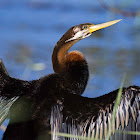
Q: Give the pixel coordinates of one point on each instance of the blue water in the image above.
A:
(30, 28)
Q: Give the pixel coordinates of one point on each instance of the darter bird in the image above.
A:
(54, 103)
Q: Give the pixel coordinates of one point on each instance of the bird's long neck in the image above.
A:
(59, 55)
(71, 65)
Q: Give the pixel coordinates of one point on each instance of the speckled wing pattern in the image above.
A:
(93, 121)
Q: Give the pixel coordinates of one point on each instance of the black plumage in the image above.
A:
(54, 102)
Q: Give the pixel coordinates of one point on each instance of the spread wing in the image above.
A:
(11, 87)
(88, 117)
(10, 90)
(5, 103)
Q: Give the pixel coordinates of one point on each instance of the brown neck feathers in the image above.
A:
(59, 55)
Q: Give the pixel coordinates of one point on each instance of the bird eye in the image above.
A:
(84, 26)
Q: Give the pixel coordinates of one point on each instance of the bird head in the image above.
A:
(82, 31)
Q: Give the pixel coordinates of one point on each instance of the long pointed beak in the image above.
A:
(94, 28)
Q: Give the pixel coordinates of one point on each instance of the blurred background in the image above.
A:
(29, 30)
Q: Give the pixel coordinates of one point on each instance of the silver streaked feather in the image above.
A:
(98, 128)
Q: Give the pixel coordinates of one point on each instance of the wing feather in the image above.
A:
(96, 114)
